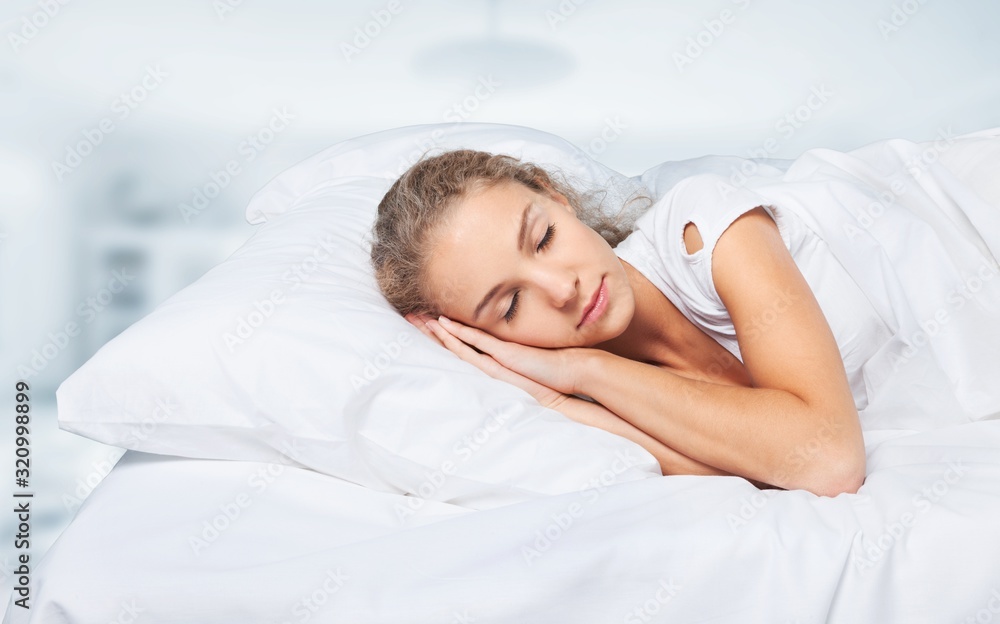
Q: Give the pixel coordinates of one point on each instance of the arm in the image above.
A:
(596, 415)
(575, 408)
(671, 462)
(798, 426)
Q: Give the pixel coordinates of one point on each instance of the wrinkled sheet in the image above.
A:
(916, 227)
(183, 540)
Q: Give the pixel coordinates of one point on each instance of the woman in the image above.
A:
(488, 256)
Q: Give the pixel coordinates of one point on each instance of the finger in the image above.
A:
(446, 338)
(417, 319)
(426, 331)
(461, 349)
(479, 340)
(454, 330)
(489, 365)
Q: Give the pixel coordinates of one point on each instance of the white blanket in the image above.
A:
(183, 540)
(914, 228)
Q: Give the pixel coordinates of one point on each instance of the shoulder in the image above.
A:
(755, 222)
(702, 207)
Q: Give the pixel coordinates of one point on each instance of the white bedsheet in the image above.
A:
(166, 539)
(918, 543)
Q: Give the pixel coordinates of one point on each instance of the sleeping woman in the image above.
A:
(693, 332)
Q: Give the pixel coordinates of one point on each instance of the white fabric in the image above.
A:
(386, 155)
(895, 245)
(599, 538)
(214, 542)
(288, 346)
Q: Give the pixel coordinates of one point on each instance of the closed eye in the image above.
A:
(546, 240)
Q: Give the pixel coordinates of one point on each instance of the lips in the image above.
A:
(593, 302)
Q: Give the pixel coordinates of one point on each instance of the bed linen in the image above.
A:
(898, 242)
(201, 539)
(288, 346)
(166, 539)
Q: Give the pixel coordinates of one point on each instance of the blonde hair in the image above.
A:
(418, 205)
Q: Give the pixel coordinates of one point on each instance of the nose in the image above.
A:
(561, 285)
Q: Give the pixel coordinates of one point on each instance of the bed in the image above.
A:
(298, 451)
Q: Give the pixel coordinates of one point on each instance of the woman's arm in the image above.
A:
(671, 462)
(798, 426)
(596, 415)
(575, 408)
(738, 429)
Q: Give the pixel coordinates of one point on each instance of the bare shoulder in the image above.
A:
(784, 337)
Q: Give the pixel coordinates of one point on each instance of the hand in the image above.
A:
(545, 374)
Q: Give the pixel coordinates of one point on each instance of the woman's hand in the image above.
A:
(545, 374)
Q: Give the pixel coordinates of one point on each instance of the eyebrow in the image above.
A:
(521, 235)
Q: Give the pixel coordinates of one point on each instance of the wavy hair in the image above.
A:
(418, 206)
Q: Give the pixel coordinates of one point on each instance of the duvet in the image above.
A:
(166, 539)
(180, 539)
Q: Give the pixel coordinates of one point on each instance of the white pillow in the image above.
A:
(288, 352)
(386, 155)
(659, 179)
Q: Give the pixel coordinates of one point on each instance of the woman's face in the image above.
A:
(534, 294)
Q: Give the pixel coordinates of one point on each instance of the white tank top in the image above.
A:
(656, 249)
(892, 277)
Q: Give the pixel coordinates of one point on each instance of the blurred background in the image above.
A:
(132, 134)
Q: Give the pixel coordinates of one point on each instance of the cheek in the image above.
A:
(587, 240)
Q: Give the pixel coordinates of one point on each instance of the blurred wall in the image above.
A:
(117, 118)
